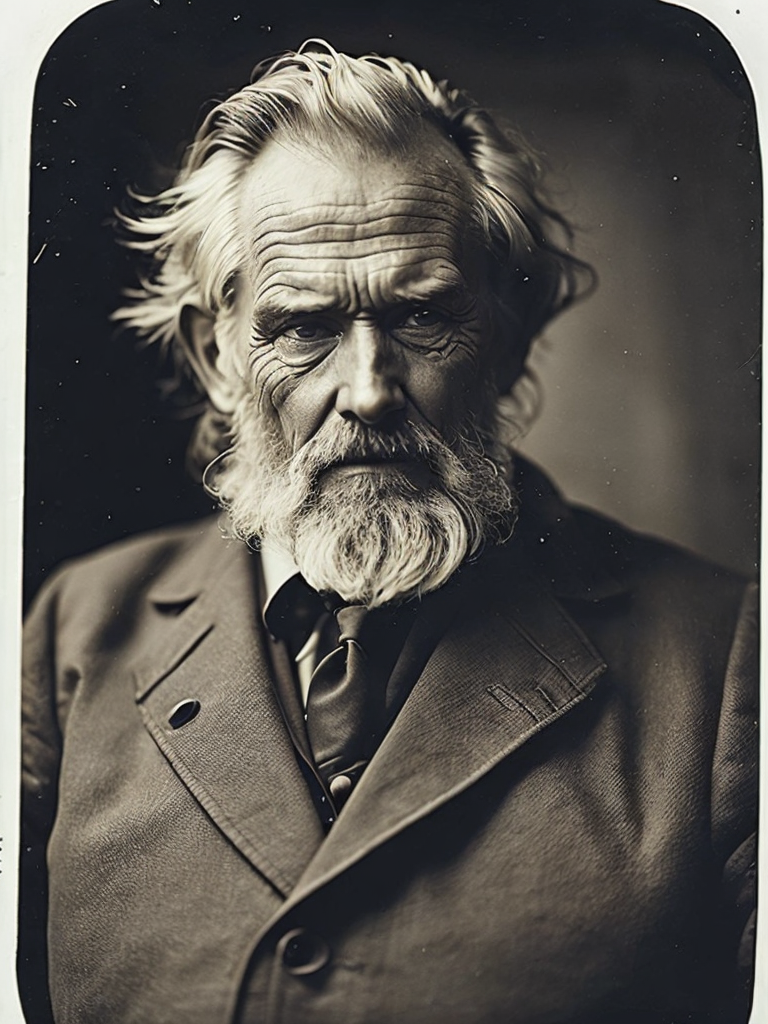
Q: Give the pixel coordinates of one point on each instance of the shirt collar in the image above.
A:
(277, 568)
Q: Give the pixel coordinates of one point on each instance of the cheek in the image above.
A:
(445, 391)
(269, 385)
(444, 396)
(271, 380)
(298, 399)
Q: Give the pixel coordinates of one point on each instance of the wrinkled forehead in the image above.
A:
(367, 201)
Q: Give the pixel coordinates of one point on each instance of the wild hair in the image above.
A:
(375, 105)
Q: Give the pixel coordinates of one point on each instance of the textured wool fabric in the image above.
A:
(556, 827)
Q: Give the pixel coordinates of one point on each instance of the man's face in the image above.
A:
(365, 295)
(362, 337)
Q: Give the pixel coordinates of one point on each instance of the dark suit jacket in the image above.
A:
(555, 829)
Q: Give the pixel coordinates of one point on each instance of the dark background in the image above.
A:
(652, 394)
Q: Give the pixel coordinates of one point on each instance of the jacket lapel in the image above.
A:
(509, 661)
(498, 677)
(234, 755)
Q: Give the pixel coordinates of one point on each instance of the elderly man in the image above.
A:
(402, 737)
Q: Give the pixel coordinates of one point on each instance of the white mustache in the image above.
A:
(355, 442)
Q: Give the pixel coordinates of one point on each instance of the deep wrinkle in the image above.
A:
(365, 295)
(433, 341)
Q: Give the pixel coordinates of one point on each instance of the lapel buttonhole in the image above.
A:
(508, 700)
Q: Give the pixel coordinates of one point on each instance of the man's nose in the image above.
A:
(370, 387)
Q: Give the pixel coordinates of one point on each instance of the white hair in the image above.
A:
(377, 104)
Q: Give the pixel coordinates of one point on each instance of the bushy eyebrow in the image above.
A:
(268, 317)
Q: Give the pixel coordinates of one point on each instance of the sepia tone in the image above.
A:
(575, 696)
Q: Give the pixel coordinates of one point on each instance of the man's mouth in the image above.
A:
(374, 459)
(378, 463)
(362, 463)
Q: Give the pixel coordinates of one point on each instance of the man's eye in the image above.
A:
(306, 341)
(423, 318)
(422, 327)
(310, 331)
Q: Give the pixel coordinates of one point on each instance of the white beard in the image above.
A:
(372, 538)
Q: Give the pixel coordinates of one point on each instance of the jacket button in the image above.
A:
(303, 952)
(184, 712)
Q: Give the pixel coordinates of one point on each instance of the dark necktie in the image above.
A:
(349, 706)
(346, 706)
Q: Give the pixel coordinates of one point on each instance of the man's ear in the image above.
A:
(198, 337)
